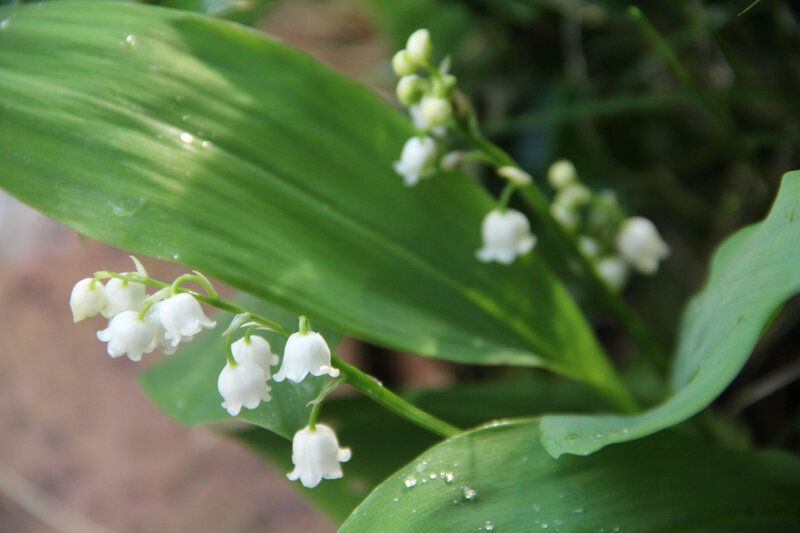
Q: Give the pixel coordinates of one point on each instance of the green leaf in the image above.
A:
(382, 442)
(752, 274)
(184, 385)
(503, 480)
(200, 141)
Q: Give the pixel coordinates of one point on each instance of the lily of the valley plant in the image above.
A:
(210, 145)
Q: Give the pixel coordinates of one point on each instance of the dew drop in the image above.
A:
(186, 137)
(396, 500)
(176, 256)
(4, 24)
(185, 118)
(579, 510)
(448, 477)
(468, 492)
(126, 207)
(131, 40)
(537, 507)
(625, 431)
(545, 525)
(205, 144)
(489, 526)
(432, 476)
(410, 481)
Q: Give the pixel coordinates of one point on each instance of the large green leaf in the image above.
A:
(500, 479)
(200, 141)
(382, 442)
(752, 274)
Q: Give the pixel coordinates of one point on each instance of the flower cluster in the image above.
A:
(139, 324)
(431, 103)
(615, 244)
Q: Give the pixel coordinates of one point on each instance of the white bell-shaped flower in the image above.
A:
(257, 351)
(242, 385)
(182, 317)
(316, 455)
(88, 297)
(614, 271)
(303, 355)
(639, 243)
(506, 235)
(417, 160)
(123, 296)
(162, 342)
(128, 334)
(436, 111)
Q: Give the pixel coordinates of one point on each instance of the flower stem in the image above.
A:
(540, 205)
(352, 375)
(380, 394)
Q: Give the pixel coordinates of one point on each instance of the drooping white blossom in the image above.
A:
(257, 351)
(128, 334)
(182, 317)
(164, 344)
(303, 355)
(316, 455)
(122, 296)
(417, 160)
(639, 243)
(614, 271)
(88, 297)
(506, 235)
(419, 46)
(242, 385)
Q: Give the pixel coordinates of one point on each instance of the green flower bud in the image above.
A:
(403, 64)
(436, 111)
(419, 46)
(561, 174)
(410, 89)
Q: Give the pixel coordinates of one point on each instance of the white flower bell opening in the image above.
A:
(128, 334)
(316, 456)
(417, 160)
(123, 296)
(88, 297)
(182, 317)
(639, 243)
(257, 351)
(242, 385)
(506, 235)
(303, 355)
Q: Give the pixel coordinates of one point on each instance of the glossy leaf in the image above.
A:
(752, 274)
(196, 140)
(382, 442)
(500, 479)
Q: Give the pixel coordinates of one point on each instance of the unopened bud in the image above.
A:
(515, 175)
(410, 89)
(561, 174)
(452, 161)
(403, 64)
(436, 111)
(419, 46)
